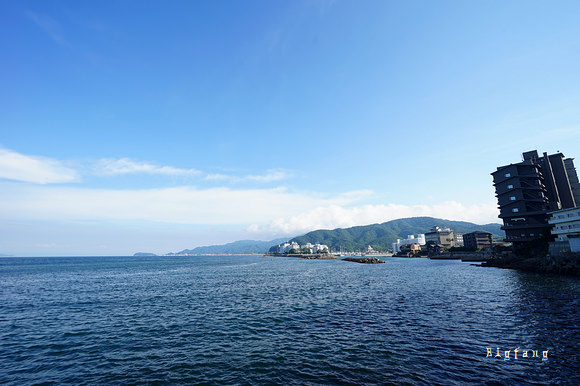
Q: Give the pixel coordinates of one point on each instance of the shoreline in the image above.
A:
(568, 265)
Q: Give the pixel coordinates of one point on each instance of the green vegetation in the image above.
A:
(381, 236)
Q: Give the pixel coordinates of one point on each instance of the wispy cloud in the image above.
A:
(43, 170)
(38, 170)
(112, 167)
(271, 175)
(49, 25)
(128, 166)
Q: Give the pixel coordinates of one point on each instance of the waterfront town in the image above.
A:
(539, 204)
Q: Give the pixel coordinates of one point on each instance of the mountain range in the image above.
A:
(381, 236)
(237, 247)
(378, 236)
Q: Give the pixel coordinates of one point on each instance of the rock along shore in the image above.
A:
(568, 264)
(312, 256)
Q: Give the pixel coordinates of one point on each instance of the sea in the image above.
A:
(252, 320)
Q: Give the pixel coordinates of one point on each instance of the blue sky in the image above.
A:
(157, 126)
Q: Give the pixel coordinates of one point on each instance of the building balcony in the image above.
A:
(522, 213)
(520, 239)
(527, 229)
(518, 188)
(565, 232)
(556, 220)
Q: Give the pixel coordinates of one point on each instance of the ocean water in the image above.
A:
(255, 320)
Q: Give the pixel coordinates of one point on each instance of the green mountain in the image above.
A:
(237, 247)
(381, 236)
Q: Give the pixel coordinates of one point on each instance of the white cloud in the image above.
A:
(39, 170)
(266, 211)
(185, 205)
(337, 216)
(127, 166)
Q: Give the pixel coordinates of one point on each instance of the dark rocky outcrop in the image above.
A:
(314, 256)
(364, 260)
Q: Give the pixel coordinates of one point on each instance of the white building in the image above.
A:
(318, 248)
(286, 247)
(566, 226)
(282, 247)
(458, 239)
(411, 239)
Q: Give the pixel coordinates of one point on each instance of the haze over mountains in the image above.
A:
(379, 236)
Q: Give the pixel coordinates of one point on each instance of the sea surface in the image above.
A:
(256, 320)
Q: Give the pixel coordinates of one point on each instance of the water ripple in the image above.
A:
(250, 320)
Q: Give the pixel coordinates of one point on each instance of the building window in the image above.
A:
(510, 186)
(515, 210)
(513, 198)
(508, 174)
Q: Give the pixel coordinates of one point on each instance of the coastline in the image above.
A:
(568, 264)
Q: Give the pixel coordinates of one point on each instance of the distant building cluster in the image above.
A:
(538, 199)
(307, 248)
(439, 239)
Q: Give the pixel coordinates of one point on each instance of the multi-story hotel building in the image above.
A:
(566, 228)
(477, 239)
(445, 237)
(528, 190)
